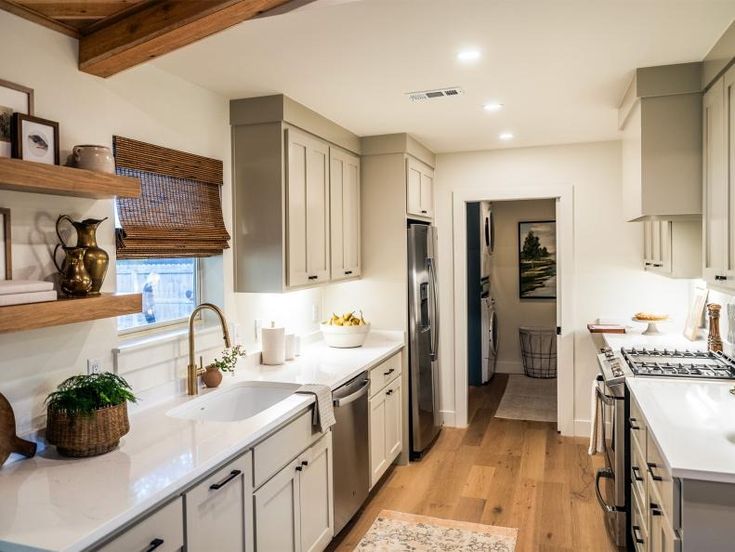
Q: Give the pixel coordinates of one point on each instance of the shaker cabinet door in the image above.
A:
(378, 454)
(219, 510)
(393, 420)
(316, 495)
(307, 184)
(345, 214)
(277, 503)
(419, 189)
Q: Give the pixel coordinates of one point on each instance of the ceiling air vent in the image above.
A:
(434, 94)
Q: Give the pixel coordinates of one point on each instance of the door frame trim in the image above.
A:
(563, 193)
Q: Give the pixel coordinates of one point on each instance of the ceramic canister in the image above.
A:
(273, 342)
(93, 158)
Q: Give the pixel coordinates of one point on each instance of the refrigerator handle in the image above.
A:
(434, 326)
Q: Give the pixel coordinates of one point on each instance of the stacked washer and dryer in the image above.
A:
(489, 319)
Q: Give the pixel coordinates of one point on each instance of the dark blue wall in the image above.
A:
(474, 323)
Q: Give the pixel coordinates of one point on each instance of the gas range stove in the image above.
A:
(671, 363)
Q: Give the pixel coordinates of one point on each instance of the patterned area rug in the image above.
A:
(528, 399)
(396, 532)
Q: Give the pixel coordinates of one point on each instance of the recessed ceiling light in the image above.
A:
(492, 106)
(467, 56)
(506, 136)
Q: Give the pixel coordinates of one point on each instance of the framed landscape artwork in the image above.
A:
(537, 259)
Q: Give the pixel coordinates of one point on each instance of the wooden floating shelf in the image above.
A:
(38, 178)
(16, 318)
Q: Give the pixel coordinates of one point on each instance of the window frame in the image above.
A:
(169, 325)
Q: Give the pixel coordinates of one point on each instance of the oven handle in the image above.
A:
(608, 474)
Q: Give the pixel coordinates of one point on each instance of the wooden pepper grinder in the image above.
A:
(714, 341)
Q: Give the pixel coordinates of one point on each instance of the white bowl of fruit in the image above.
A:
(346, 331)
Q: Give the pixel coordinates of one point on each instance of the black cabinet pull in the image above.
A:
(389, 392)
(720, 277)
(655, 510)
(655, 477)
(155, 543)
(299, 468)
(313, 277)
(348, 272)
(637, 534)
(423, 211)
(389, 372)
(304, 462)
(637, 473)
(632, 422)
(225, 481)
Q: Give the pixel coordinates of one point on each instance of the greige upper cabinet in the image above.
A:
(307, 221)
(419, 189)
(660, 117)
(672, 248)
(296, 196)
(345, 214)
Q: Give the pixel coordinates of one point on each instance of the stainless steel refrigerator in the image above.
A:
(423, 338)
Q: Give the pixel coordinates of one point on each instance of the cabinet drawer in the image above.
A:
(637, 425)
(384, 373)
(639, 524)
(639, 473)
(283, 446)
(663, 489)
(162, 531)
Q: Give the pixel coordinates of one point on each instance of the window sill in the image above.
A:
(136, 343)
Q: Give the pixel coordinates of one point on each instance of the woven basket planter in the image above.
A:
(80, 436)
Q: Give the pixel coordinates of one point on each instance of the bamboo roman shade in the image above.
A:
(179, 211)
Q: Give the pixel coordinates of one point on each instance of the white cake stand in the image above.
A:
(652, 328)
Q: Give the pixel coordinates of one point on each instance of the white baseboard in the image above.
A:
(449, 417)
(582, 428)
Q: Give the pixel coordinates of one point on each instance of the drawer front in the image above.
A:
(384, 373)
(637, 425)
(162, 531)
(639, 524)
(662, 483)
(639, 473)
(283, 446)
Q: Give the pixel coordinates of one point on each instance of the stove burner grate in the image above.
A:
(679, 363)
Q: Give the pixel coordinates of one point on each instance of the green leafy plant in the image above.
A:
(229, 358)
(83, 394)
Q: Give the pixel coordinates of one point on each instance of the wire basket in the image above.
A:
(538, 351)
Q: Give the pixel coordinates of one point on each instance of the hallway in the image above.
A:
(500, 472)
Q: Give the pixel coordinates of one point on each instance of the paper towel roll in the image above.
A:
(273, 345)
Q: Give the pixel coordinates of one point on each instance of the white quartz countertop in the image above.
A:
(52, 503)
(667, 340)
(693, 424)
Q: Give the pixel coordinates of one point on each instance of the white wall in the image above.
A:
(607, 251)
(143, 103)
(512, 311)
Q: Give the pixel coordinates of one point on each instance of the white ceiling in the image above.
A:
(558, 66)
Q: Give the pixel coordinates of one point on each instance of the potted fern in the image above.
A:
(88, 414)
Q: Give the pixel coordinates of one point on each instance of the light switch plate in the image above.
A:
(94, 366)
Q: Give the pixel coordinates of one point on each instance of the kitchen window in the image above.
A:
(170, 288)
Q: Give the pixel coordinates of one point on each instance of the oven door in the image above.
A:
(610, 480)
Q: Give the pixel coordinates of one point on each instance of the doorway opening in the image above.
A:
(511, 307)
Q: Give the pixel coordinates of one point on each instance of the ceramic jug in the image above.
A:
(96, 259)
(93, 158)
(73, 276)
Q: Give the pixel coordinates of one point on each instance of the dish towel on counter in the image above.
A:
(323, 416)
(596, 432)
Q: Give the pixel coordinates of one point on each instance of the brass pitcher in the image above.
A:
(73, 276)
(96, 259)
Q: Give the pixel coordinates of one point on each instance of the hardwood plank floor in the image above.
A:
(501, 472)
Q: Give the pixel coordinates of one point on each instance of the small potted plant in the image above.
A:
(212, 376)
(88, 414)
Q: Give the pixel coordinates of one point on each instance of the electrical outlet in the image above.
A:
(258, 326)
(94, 366)
(235, 333)
(315, 313)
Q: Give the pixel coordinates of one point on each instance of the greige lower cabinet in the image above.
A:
(294, 509)
(219, 510)
(385, 419)
(162, 531)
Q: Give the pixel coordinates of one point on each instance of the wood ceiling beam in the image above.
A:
(163, 26)
(37, 17)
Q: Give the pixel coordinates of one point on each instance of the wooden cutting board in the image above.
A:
(9, 441)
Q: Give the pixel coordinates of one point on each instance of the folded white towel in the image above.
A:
(596, 433)
(24, 286)
(323, 416)
(25, 298)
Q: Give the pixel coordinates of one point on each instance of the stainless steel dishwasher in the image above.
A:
(351, 450)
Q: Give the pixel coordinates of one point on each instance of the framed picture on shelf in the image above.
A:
(537, 259)
(35, 139)
(6, 259)
(14, 98)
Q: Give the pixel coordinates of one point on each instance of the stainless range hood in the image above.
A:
(661, 119)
